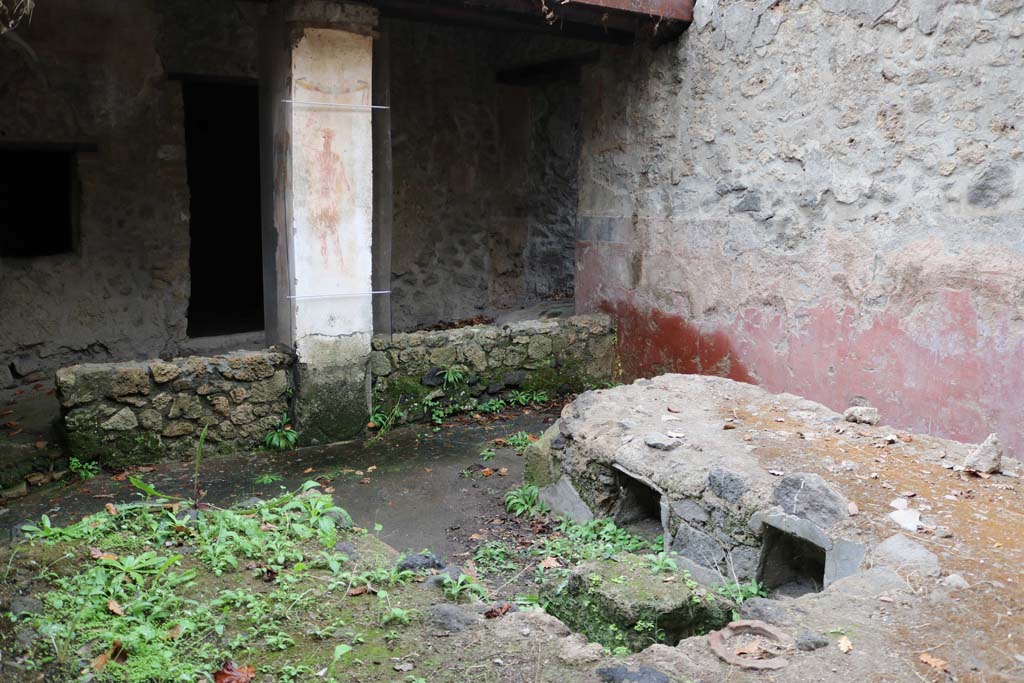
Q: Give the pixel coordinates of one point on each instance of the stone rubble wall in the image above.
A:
(484, 173)
(822, 197)
(127, 413)
(543, 355)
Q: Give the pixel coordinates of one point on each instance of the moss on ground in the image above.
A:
(163, 591)
(625, 605)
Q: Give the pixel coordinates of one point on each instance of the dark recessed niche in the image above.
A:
(38, 201)
(790, 565)
(638, 506)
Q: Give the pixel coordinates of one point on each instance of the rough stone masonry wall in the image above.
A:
(822, 197)
(100, 77)
(484, 173)
(552, 356)
(129, 413)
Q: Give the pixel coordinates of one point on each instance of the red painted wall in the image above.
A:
(957, 373)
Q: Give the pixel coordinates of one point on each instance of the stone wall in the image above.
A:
(484, 173)
(821, 197)
(550, 356)
(128, 413)
(97, 74)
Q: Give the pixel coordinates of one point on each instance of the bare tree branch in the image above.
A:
(13, 12)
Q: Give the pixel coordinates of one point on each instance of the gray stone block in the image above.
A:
(563, 499)
(807, 495)
(697, 546)
(726, 484)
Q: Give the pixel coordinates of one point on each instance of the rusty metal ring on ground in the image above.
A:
(718, 639)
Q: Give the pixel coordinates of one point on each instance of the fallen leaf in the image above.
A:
(550, 563)
(364, 481)
(174, 632)
(307, 470)
(329, 489)
(116, 653)
(845, 645)
(404, 666)
(115, 607)
(486, 472)
(97, 554)
(361, 590)
(100, 662)
(729, 425)
(498, 611)
(232, 673)
(41, 444)
(934, 662)
(503, 472)
(111, 509)
(371, 468)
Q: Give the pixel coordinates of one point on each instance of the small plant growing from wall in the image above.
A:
(383, 422)
(84, 470)
(283, 437)
(492, 406)
(453, 376)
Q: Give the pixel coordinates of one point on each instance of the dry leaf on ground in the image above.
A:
(934, 662)
(232, 673)
(97, 554)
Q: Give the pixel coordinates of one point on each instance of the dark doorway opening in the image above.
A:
(790, 566)
(225, 256)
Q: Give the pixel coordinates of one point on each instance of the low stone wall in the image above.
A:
(126, 413)
(553, 356)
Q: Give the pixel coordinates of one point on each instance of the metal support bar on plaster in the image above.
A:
(333, 105)
(336, 296)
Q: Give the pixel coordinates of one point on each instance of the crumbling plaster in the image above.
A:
(821, 197)
(99, 77)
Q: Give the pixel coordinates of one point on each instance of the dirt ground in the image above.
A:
(979, 628)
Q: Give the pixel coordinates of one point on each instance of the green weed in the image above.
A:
(283, 437)
(525, 500)
(84, 470)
